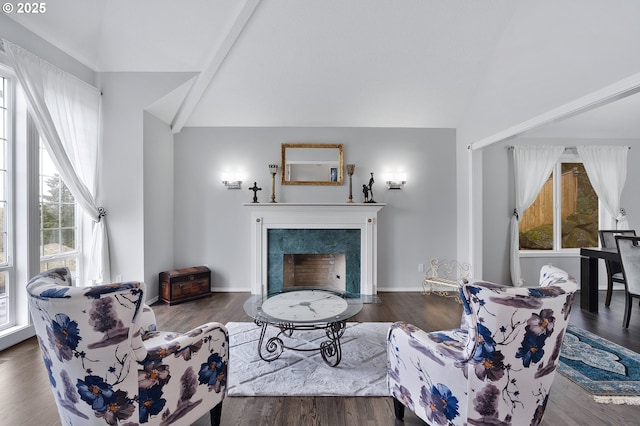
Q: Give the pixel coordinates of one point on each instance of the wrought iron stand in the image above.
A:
(330, 349)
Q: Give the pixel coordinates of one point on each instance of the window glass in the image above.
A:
(58, 228)
(579, 208)
(574, 224)
(536, 224)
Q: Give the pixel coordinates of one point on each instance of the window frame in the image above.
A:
(569, 156)
(8, 266)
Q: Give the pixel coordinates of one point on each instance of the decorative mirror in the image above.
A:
(312, 164)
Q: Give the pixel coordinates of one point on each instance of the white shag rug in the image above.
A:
(361, 372)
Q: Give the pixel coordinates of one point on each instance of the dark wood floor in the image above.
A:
(26, 399)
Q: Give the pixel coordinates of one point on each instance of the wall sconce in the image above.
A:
(232, 180)
(395, 180)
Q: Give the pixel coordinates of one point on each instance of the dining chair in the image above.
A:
(629, 249)
(614, 270)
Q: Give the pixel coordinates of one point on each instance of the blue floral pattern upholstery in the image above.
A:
(497, 369)
(107, 363)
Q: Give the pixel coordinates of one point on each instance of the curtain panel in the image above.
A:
(66, 112)
(532, 167)
(606, 167)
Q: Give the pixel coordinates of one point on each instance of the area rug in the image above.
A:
(362, 371)
(607, 371)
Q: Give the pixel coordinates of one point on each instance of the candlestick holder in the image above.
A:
(350, 169)
(273, 169)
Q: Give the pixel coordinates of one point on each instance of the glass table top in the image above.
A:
(303, 305)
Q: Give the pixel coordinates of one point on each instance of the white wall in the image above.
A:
(158, 201)
(124, 160)
(498, 203)
(212, 227)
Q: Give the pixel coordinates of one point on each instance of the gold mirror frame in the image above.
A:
(311, 164)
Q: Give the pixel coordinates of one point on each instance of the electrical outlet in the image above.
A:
(118, 278)
(420, 267)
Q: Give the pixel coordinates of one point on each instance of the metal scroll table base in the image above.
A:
(330, 349)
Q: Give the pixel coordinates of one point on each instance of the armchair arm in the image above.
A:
(144, 328)
(422, 366)
(147, 320)
(164, 345)
(181, 371)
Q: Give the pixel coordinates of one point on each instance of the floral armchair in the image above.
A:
(497, 369)
(108, 365)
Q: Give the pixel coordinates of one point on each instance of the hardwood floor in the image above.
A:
(26, 398)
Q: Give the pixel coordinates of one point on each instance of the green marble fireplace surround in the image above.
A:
(281, 241)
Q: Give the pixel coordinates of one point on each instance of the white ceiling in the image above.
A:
(406, 63)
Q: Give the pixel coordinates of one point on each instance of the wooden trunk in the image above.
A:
(181, 285)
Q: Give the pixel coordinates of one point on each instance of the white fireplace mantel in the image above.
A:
(362, 216)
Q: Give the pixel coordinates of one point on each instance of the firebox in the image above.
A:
(315, 270)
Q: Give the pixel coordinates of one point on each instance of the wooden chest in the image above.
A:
(180, 285)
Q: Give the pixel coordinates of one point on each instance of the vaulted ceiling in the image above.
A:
(408, 63)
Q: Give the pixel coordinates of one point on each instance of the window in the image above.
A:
(565, 214)
(40, 226)
(58, 219)
(6, 267)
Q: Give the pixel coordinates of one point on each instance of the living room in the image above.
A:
(429, 217)
(405, 87)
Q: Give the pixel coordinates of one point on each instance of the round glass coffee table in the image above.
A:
(302, 308)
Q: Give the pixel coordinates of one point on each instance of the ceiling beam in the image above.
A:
(618, 90)
(204, 79)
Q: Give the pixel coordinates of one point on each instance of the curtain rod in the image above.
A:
(567, 148)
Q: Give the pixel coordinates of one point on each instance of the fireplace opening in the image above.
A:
(315, 270)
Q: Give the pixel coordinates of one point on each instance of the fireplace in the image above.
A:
(282, 229)
(316, 251)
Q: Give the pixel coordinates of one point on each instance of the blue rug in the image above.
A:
(609, 372)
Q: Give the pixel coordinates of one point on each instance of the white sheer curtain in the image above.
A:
(66, 112)
(606, 167)
(532, 167)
